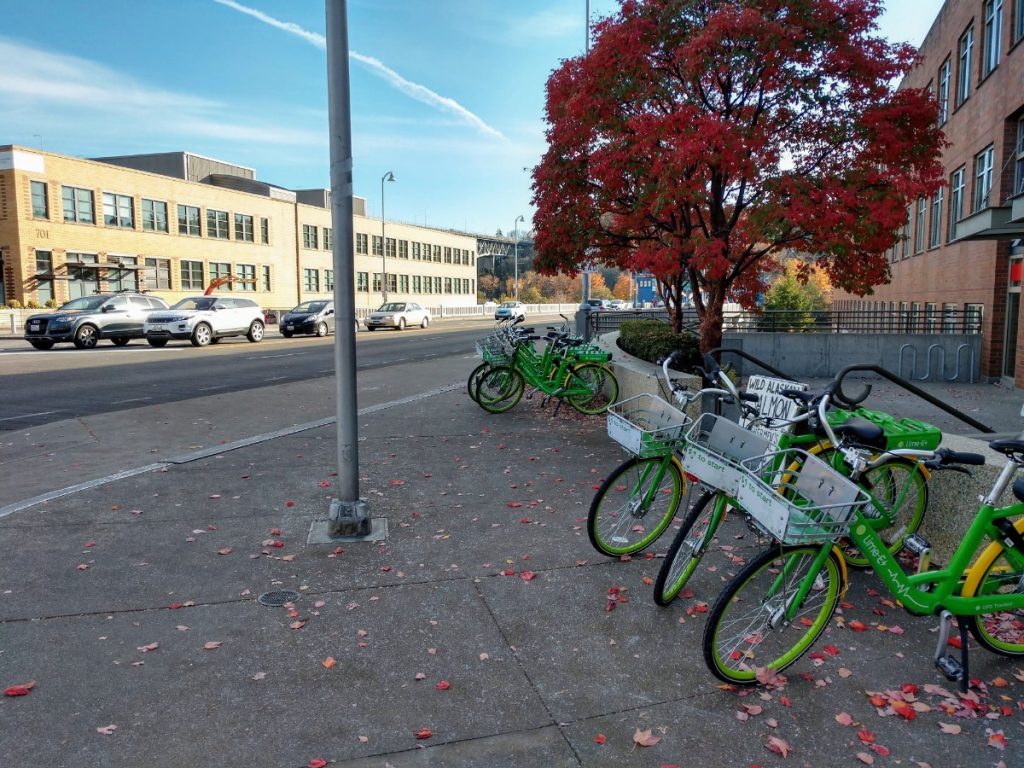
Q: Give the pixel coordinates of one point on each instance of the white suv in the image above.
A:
(205, 320)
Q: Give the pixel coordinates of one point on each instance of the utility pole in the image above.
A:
(349, 514)
(585, 277)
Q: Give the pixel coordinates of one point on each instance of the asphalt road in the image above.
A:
(65, 383)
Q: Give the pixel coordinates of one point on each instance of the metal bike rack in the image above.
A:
(942, 362)
(913, 360)
(970, 363)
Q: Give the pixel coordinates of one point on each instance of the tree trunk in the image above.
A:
(711, 319)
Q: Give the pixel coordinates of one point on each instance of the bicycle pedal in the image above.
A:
(916, 544)
(950, 667)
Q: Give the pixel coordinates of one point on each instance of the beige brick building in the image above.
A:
(171, 223)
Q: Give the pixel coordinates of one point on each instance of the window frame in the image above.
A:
(310, 237)
(160, 270)
(214, 218)
(78, 204)
(945, 80)
(244, 229)
(185, 223)
(187, 272)
(37, 213)
(218, 269)
(992, 15)
(920, 222)
(1018, 182)
(935, 229)
(310, 280)
(117, 201)
(984, 178)
(965, 56)
(958, 191)
(155, 206)
(246, 272)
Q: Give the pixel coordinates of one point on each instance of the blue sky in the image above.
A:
(447, 94)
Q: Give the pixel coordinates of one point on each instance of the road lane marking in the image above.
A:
(130, 400)
(29, 415)
(267, 357)
(208, 389)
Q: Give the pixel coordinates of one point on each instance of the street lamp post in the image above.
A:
(516, 228)
(389, 176)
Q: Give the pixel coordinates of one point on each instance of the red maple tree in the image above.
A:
(701, 138)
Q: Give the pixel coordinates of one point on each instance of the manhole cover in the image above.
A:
(277, 598)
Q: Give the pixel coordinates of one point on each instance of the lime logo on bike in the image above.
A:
(861, 530)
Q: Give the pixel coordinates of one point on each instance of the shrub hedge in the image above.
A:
(653, 340)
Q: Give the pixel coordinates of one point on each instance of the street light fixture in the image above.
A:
(515, 225)
(389, 176)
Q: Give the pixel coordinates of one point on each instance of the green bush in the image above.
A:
(653, 341)
(14, 304)
(32, 304)
(51, 304)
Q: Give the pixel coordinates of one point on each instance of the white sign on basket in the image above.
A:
(774, 406)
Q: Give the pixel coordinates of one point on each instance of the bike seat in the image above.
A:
(1008, 447)
(1018, 488)
(862, 431)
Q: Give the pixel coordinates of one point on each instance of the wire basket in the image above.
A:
(798, 498)
(716, 449)
(646, 425)
(494, 349)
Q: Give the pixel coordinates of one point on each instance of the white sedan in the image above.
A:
(398, 314)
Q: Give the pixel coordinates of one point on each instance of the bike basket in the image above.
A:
(494, 350)
(715, 448)
(798, 498)
(899, 433)
(588, 353)
(646, 425)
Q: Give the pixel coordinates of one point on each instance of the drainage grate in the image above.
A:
(277, 598)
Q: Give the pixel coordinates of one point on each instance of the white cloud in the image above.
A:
(411, 89)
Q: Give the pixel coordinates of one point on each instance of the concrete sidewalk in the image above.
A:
(481, 624)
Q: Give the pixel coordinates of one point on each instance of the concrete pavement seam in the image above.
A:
(18, 506)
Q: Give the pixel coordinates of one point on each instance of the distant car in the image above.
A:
(594, 305)
(398, 314)
(206, 320)
(513, 309)
(315, 317)
(618, 304)
(115, 316)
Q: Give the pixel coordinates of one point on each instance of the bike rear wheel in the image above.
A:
(689, 545)
(997, 572)
(635, 505)
(600, 385)
(473, 382)
(500, 389)
(756, 623)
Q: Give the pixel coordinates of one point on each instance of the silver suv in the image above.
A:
(206, 320)
(83, 322)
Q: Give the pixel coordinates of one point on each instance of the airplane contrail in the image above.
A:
(413, 90)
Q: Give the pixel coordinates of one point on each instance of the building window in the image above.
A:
(363, 282)
(40, 201)
(956, 199)
(158, 274)
(328, 279)
(905, 236)
(417, 254)
(1018, 21)
(973, 315)
(983, 177)
(403, 283)
(1018, 183)
(993, 35)
(437, 255)
(265, 230)
(246, 274)
(963, 75)
(378, 245)
(126, 279)
(447, 257)
(390, 248)
(392, 282)
(189, 221)
(265, 279)
(417, 283)
(929, 317)
(191, 275)
(437, 285)
(943, 94)
(243, 228)
(118, 211)
(403, 249)
(78, 205)
(376, 282)
(154, 215)
(361, 243)
(311, 280)
(217, 224)
(309, 236)
(44, 276)
(922, 209)
(328, 238)
(220, 269)
(936, 222)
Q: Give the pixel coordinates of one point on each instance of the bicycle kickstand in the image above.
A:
(954, 670)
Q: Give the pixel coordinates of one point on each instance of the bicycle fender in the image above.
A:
(987, 557)
(844, 581)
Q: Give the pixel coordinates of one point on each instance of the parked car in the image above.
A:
(617, 304)
(309, 317)
(398, 314)
(83, 322)
(206, 320)
(513, 309)
(594, 305)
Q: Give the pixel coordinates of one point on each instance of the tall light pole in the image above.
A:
(389, 176)
(515, 226)
(585, 277)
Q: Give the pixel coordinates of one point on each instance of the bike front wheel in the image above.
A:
(761, 622)
(473, 382)
(593, 388)
(689, 545)
(500, 389)
(999, 572)
(635, 505)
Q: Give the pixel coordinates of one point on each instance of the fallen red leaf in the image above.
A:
(600, 739)
(778, 746)
(514, 504)
(19, 690)
(423, 733)
(527, 575)
(444, 685)
(857, 626)
(316, 762)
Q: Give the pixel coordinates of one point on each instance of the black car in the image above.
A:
(316, 317)
(84, 321)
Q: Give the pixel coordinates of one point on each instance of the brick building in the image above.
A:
(170, 223)
(962, 250)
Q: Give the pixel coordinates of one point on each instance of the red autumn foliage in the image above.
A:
(699, 140)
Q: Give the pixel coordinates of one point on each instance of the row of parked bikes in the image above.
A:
(823, 483)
